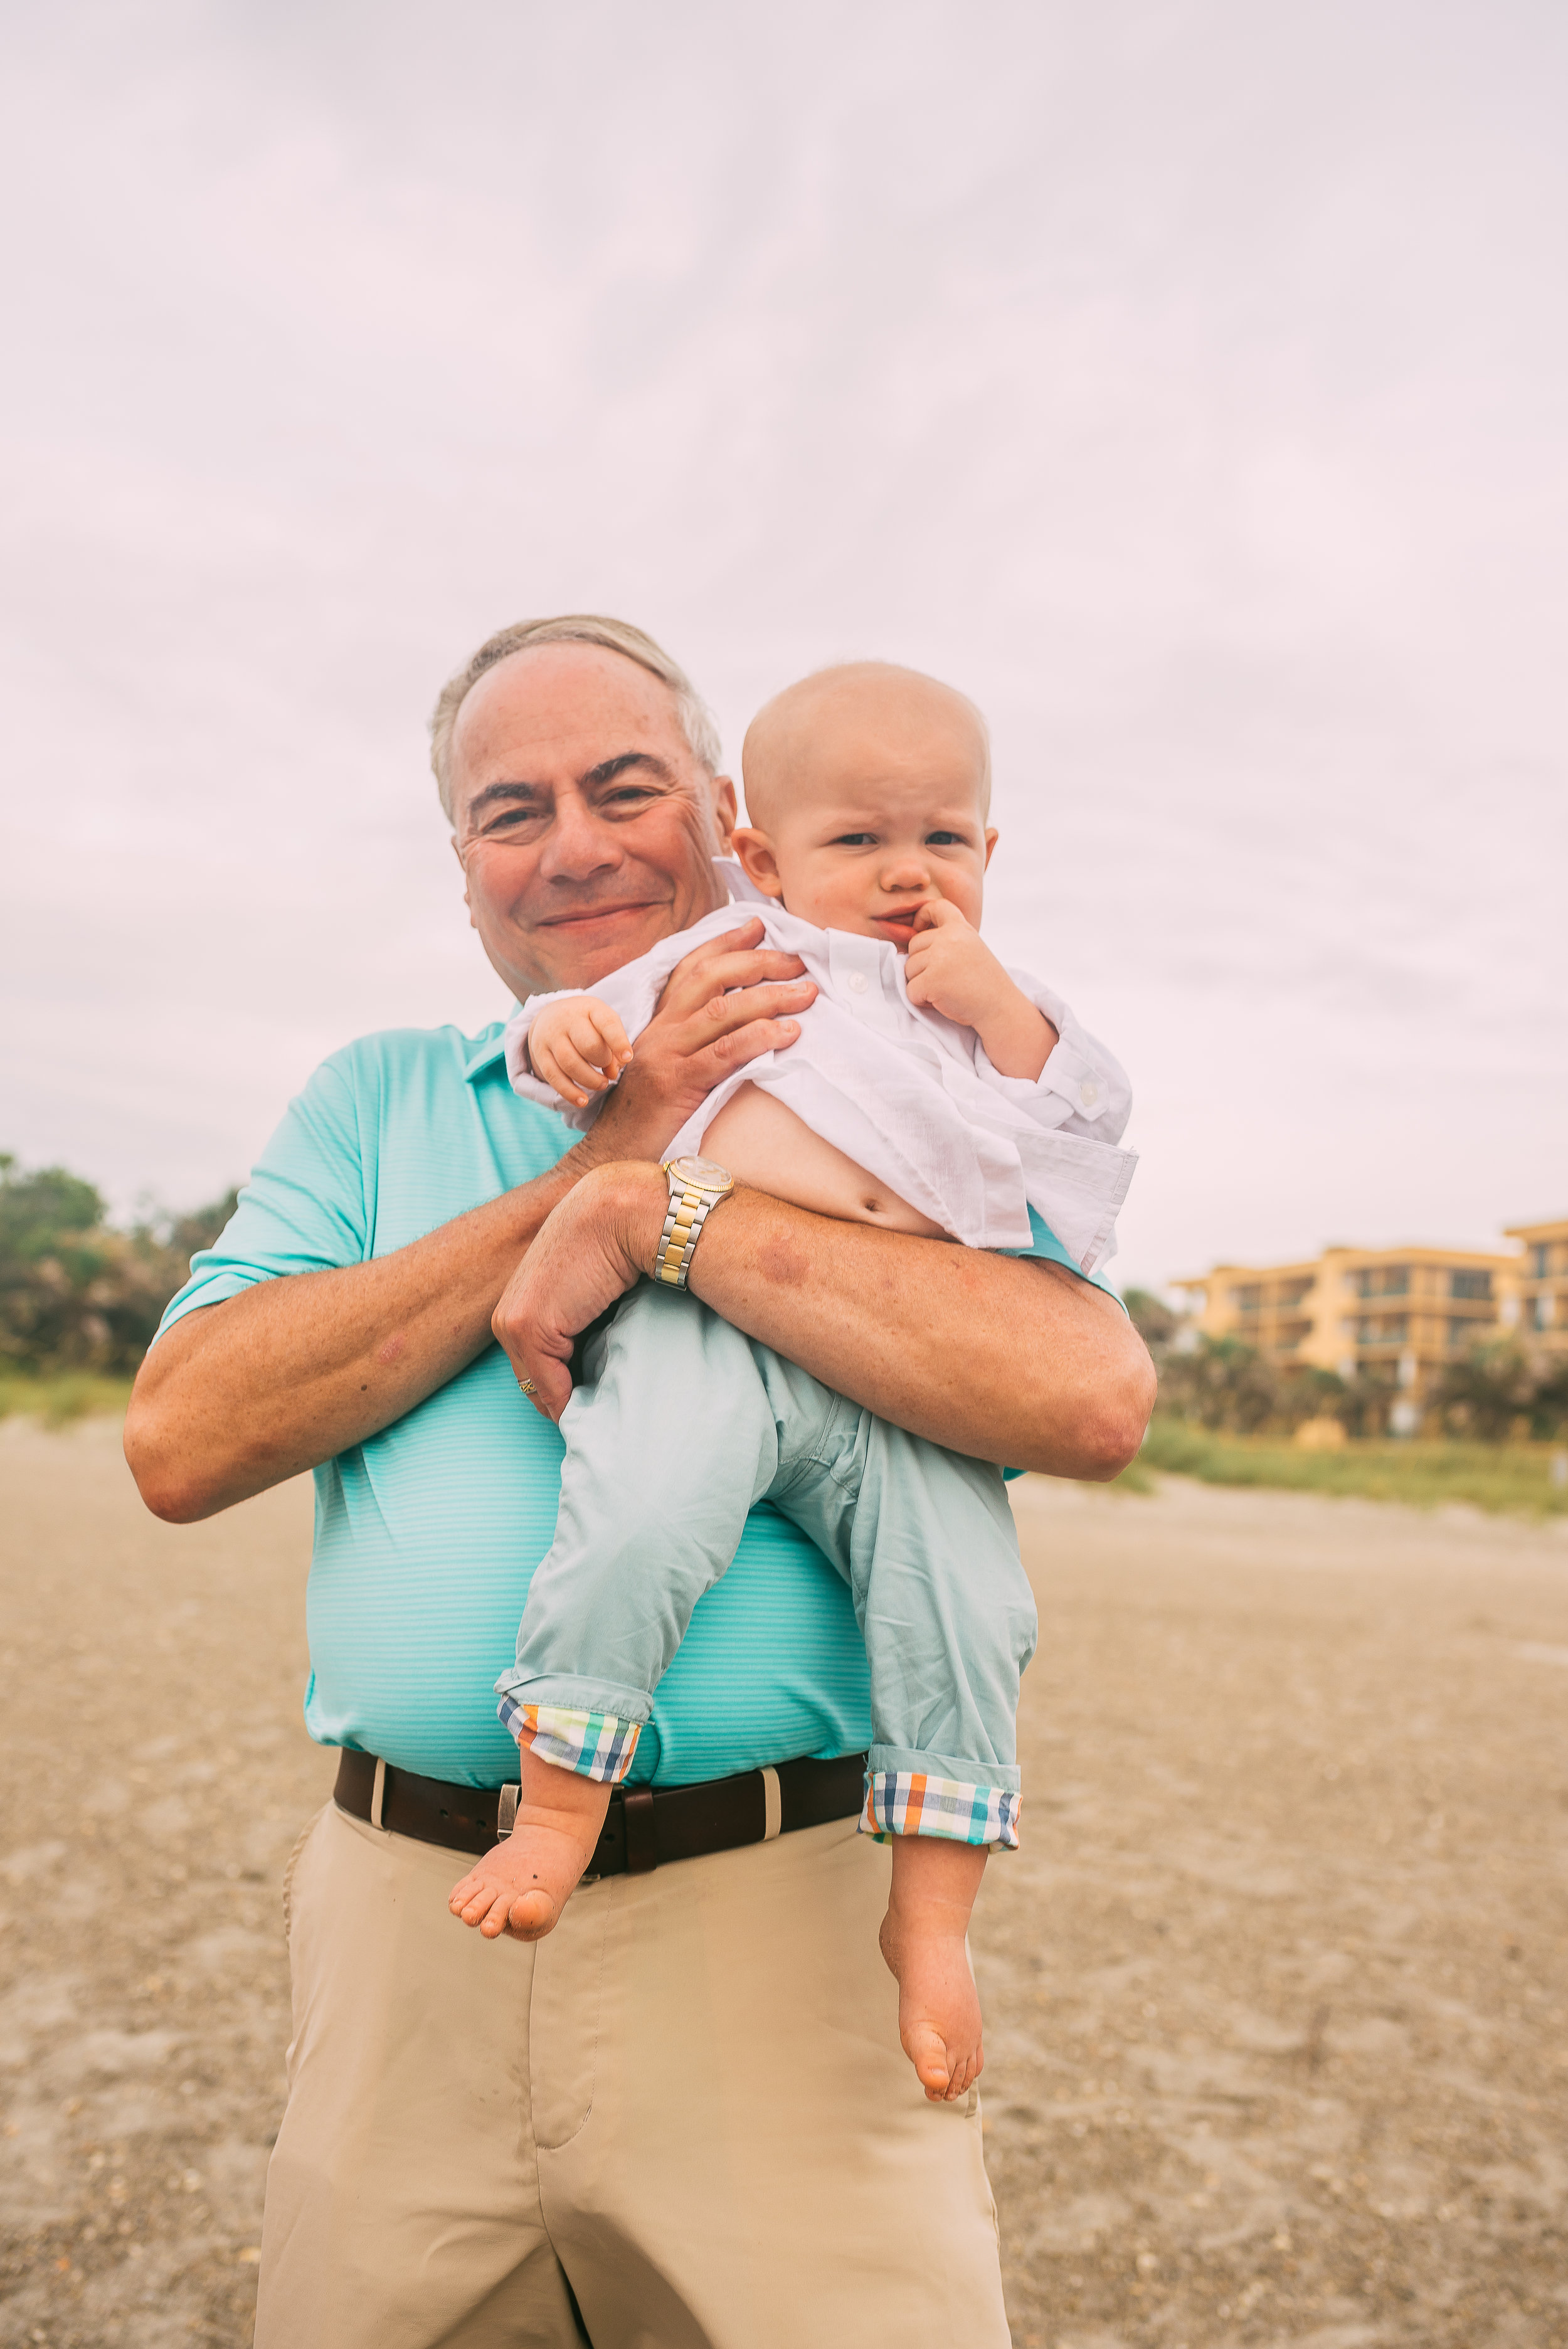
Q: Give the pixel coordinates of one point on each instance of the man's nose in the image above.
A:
(579, 844)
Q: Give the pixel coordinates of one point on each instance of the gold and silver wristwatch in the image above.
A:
(697, 1186)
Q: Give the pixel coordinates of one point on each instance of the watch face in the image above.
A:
(705, 1172)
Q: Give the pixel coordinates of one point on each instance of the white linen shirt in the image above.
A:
(906, 1093)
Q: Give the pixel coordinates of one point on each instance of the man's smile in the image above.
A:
(572, 916)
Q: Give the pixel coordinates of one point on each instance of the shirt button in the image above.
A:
(858, 982)
(1088, 1094)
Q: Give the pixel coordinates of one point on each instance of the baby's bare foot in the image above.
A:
(924, 1942)
(521, 1887)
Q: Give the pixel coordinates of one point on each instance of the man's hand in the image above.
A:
(724, 1005)
(590, 1249)
(951, 969)
(579, 1046)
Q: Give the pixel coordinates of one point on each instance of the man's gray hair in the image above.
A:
(697, 719)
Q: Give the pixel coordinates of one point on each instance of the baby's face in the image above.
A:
(874, 806)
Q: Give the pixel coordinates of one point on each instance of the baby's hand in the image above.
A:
(951, 969)
(579, 1046)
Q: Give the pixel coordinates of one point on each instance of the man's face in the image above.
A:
(584, 826)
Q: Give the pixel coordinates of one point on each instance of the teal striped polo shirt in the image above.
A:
(427, 1534)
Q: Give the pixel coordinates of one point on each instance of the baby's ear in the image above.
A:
(757, 860)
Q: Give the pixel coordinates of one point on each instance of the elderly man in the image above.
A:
(685, 2118)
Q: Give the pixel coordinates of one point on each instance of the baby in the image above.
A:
(930, 1090)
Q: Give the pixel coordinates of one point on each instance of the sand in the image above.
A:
(1276, 1991)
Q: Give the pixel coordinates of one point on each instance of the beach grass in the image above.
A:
(1505, 1479)
(59, 1398)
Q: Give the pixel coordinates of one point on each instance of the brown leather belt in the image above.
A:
(645, 1827)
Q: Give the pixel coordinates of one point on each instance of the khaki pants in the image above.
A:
(684, 2121)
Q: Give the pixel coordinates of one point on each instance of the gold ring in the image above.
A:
(528, 1387)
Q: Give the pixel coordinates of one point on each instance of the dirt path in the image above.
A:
(1275, 1991)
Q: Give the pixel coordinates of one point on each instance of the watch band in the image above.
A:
(689, 1209)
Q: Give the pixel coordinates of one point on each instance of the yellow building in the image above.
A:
(1392, 1317)
(1540, 1281)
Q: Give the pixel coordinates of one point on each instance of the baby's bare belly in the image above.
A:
(764, 1143)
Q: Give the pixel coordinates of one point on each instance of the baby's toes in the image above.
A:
(494, 1923)
(928, 2053)
(482, 1898)
(965, 2072)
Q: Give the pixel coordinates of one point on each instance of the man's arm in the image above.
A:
(1001, 1358)
(241, 1395)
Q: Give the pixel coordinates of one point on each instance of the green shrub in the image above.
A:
(77, 1294)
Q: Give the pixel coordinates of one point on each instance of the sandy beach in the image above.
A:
(1276, 1991)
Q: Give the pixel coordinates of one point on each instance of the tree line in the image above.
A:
(1495, 1393)
(78, 1293)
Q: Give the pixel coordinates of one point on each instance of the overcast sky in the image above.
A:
(1188, 383)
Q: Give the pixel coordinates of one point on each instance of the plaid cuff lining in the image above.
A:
(594, 1745)
(906, 1801)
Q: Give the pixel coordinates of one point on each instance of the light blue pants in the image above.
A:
(679, 1427)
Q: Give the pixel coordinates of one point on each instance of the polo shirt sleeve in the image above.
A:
(305, 1208)
(1044, 1244)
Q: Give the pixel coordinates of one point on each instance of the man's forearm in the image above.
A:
(1001, 1358)
(242, 1394)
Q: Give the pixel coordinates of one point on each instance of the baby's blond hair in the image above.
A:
(781, 727)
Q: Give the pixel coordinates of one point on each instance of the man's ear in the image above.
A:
(992, 836)
(755, 850)
(467, 901)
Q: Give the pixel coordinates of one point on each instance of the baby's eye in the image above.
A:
(945, 840)
(854, 840)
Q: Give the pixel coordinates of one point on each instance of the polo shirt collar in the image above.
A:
(490, 1048)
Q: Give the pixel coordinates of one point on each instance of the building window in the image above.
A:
(1387, 1330)
(1248, 1300)
(1381, 1281)
(1540, 1259)
(1470, 1285)
(1540, 1313)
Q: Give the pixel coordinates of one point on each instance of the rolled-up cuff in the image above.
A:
(594, 1745)
(911, 1803)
